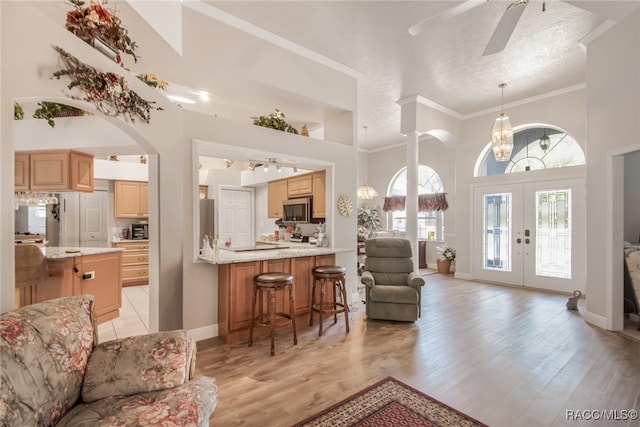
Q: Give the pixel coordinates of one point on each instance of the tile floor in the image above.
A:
(134, 315)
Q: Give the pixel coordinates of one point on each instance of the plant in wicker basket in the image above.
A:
(50, 110)
(97, 22)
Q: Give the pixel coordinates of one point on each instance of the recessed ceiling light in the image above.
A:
(181, 99)
(204, 96)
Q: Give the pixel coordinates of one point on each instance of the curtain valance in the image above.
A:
(426, 202)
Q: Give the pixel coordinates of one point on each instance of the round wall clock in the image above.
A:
(345, 206)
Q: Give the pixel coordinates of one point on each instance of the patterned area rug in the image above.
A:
(390, 403)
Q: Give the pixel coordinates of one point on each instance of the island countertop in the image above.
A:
(59, 252)
(286, 250)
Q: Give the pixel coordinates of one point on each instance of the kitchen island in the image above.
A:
(79, 271)
(236, 270)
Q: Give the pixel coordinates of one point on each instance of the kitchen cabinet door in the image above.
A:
(81, 173)
(281, 265)
(131, 199)
(106, 285)
(319, 206)
(300, 185)
(276, 194)
(302, 280)
(235, 293)
(21, 181)
(49, 171)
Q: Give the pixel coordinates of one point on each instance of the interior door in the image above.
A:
(93, 219)
(236, 217)
(531, 234)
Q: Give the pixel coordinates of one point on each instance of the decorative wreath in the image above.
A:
(345, 207)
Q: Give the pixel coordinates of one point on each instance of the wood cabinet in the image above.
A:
(131, 199)
(310, 184)
(56, 170)
(300, 185)
(135, 263)
(235, 291)
(21, 180)
(319, 205)
(63, 281)
(276, 193)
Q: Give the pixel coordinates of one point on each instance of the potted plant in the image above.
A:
(447, 256)
(49, 110)
(275, 121)
(18, 111)
(369, 220)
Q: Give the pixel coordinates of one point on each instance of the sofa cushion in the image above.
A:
(44, 348)
(189, 404)
(394, 294)
(137, 364)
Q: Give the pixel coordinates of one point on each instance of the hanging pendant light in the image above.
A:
(502, 135)
(545, 141)
(366, 192)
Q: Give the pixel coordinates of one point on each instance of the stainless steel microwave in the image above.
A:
(296, 211)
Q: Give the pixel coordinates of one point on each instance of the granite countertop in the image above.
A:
(61, 252)
(288, 250)
(129, 240)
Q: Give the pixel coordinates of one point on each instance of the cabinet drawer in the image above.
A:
(132, 246)
(135, 257)
(135, 275)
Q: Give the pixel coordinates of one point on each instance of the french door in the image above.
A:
(531, 234)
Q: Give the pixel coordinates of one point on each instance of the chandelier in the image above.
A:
(502, 134)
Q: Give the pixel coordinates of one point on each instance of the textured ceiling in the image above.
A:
(443, 64)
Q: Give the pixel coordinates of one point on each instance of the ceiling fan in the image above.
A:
(501, 34)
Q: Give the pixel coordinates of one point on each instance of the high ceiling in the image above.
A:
(443, 64)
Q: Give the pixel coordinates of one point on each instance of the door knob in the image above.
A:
(518, 240)
(526, 241)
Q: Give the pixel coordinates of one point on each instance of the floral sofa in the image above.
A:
(53, 372)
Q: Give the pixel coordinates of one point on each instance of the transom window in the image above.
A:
(535, 148)
(430, 223)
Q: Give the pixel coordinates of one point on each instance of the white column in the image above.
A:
(411, 204)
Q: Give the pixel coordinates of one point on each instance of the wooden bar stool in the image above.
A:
(336, 275)
(270, 283)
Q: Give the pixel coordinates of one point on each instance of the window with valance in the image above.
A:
(432, 202)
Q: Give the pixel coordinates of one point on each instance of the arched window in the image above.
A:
(430, 224)
(535, 148)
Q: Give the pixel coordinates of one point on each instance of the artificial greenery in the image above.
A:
(49, 110)
(447, 253)
(95, 21)
(109, 92)
(18, 111)
(274, 120)
(153, 80)
(369, 220)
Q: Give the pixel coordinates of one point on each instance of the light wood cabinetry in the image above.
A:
(300, 185)
(56, 170)
(21, 180)
(235, 291)
(135, 263)
(319, 205)
(131, 199)
(276, 193)
(64, 281)
(310, 184)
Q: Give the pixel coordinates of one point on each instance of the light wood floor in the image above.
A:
(505, 356)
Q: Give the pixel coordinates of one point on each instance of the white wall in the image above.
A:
(613, 109)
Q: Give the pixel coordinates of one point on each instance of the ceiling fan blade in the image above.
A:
(504, 29)
(418, 28)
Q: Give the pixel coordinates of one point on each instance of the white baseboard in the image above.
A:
(595, 319)
(203, 333)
